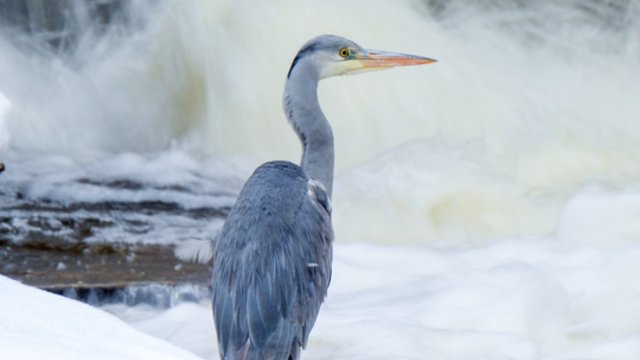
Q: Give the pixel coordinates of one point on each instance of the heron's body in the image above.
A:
(272, 259)
(273, 285)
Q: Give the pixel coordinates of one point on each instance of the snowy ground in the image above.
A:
(38, 325)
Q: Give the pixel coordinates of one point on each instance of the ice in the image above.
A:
(160, 198)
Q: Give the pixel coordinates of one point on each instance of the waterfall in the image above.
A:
(528, 105)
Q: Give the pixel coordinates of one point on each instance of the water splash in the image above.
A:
(5, 107)
(529, 104)
(155, 295)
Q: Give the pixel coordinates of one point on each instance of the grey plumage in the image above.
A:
(267, 290)
(272, 258)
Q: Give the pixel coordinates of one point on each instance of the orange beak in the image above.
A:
(375, 59)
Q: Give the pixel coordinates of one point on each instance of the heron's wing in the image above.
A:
(272, 266)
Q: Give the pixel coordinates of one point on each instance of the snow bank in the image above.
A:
(37, 325)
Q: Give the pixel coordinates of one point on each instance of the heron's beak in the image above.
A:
(376, 59)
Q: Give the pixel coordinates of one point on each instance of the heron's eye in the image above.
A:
(344, 52)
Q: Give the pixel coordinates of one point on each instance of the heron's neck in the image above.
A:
(303, 111)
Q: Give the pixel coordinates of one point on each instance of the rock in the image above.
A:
(97, 266)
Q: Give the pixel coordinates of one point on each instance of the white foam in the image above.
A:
(527, 298)
(5, 107)
(601, 217)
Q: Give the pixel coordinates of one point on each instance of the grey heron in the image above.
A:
(272, 258)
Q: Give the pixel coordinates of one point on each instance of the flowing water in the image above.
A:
(510, 162)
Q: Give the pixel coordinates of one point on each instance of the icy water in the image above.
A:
(485, 207)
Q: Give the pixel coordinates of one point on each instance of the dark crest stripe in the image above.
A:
(302, 53)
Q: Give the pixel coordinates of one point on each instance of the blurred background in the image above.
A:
(131, 124)
(530, 104)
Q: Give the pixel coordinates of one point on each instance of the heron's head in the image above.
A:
(332, 55)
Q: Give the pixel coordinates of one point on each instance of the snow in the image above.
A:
(38, 325)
